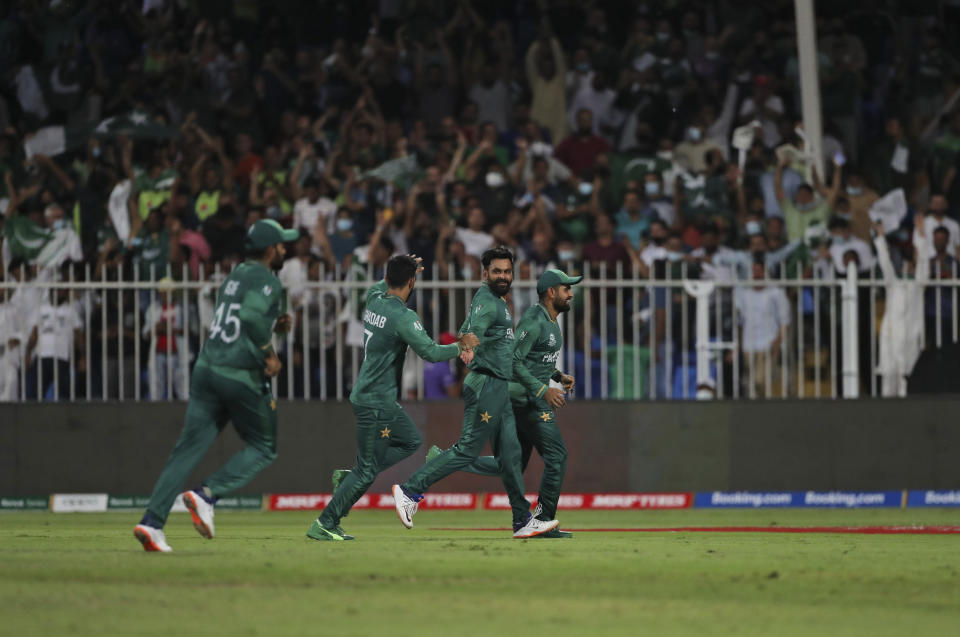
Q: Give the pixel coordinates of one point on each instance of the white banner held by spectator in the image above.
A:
(889, 210)
(119, 213)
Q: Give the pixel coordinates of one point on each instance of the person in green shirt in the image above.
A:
(535, 357)
(231, 382)
(487, 415)
(804, 210)
(385, 433)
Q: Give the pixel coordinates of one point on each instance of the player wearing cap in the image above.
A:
(535, 358)
(230, 382)
(487, 415)
(385, 433)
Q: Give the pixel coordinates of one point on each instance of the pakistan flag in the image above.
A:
(54, 140)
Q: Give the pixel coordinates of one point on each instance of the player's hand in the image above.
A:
(466, 356)
(554, 398)
(468, 341)
(273, 365)
(568, 382)
(419, 262)
(283, 324)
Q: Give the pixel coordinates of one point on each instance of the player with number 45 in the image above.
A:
(231, 382)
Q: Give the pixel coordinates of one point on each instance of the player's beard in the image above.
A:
(277, 262)
(561, 306)
(500, 287)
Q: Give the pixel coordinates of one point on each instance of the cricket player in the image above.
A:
(385, 433)
(535, 358)
(487, 414)
(231, 381)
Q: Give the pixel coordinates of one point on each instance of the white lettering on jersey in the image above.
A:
(552, 358)
(510, 333)
(374, 319)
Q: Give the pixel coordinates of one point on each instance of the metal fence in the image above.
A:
(627, 337)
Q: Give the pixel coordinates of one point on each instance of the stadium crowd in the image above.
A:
(651, 140)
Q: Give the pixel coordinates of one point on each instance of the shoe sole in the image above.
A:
(190, 501)
(555, 524)
(144, 538)
(558, 535)
(395, 490)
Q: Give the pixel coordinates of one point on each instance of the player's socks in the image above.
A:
(433, 452)
(319, 532)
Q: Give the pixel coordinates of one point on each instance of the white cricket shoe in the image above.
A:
(406, 506)
(151, 538)
(535, 527)
(202, 513)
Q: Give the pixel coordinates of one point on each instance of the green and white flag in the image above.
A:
(394, 170)
(25, 238)
(54, 140)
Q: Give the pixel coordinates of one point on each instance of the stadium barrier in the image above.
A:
(102, 502)
(627, 337)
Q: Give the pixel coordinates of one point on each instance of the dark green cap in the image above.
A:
(553, 277)
(268, 232)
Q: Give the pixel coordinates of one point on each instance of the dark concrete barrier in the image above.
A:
(613, 446)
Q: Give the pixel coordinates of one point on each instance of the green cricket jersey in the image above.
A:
(535, 357)
(490, 320)
(248, 303)
(389, 326)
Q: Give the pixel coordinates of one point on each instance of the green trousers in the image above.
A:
(385, 436)
(536, 429)
(487, 416)
(216, 399)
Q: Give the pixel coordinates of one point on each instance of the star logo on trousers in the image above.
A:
(385, 432)
(485, 416)
(545, 416)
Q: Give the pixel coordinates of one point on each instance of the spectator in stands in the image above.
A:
(804, 210)
(764, 314)
(50, 347)
(579, 151)
(937, 218)
(546, 73)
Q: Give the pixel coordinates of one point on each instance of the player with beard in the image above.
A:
(231, 382)
(535, 358)
(487, 415)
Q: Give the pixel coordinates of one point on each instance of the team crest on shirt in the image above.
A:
(267, 290)
(552, 340)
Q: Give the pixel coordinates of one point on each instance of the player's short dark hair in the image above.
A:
(941, 230)
(491, 255)
(400, 269)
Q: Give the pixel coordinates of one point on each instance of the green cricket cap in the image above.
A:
(268, 232)
(553, 277)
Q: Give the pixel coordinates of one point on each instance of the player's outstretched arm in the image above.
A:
(412, 333)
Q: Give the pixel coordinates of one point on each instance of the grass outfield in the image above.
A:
(85, 574)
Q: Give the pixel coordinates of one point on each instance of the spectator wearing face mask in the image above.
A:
(634, 219)
(691, 153)
(344, 239)
(859, 197)
(803, 210)
(656, 198)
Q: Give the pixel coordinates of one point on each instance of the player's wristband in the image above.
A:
(557, 376)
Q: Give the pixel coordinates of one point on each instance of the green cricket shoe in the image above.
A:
(339, 475)
(433, 452)
(317, 532)
(555, 533)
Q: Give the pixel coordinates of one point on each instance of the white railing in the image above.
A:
(626, 338)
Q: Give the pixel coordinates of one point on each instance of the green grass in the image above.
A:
(84, 574)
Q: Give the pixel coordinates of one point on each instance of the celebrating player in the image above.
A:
(385, 433)
(487, 416)
(539, 341)
(230, 382)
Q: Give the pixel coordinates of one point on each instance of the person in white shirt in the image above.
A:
(764, 107)
(842, 241)
(52, 340)
(764, 313)
(474, 238)
(492, 96)
(314, 212)
(936, 217)
(21, 310)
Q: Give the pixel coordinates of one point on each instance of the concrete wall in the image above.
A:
(613, 446)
